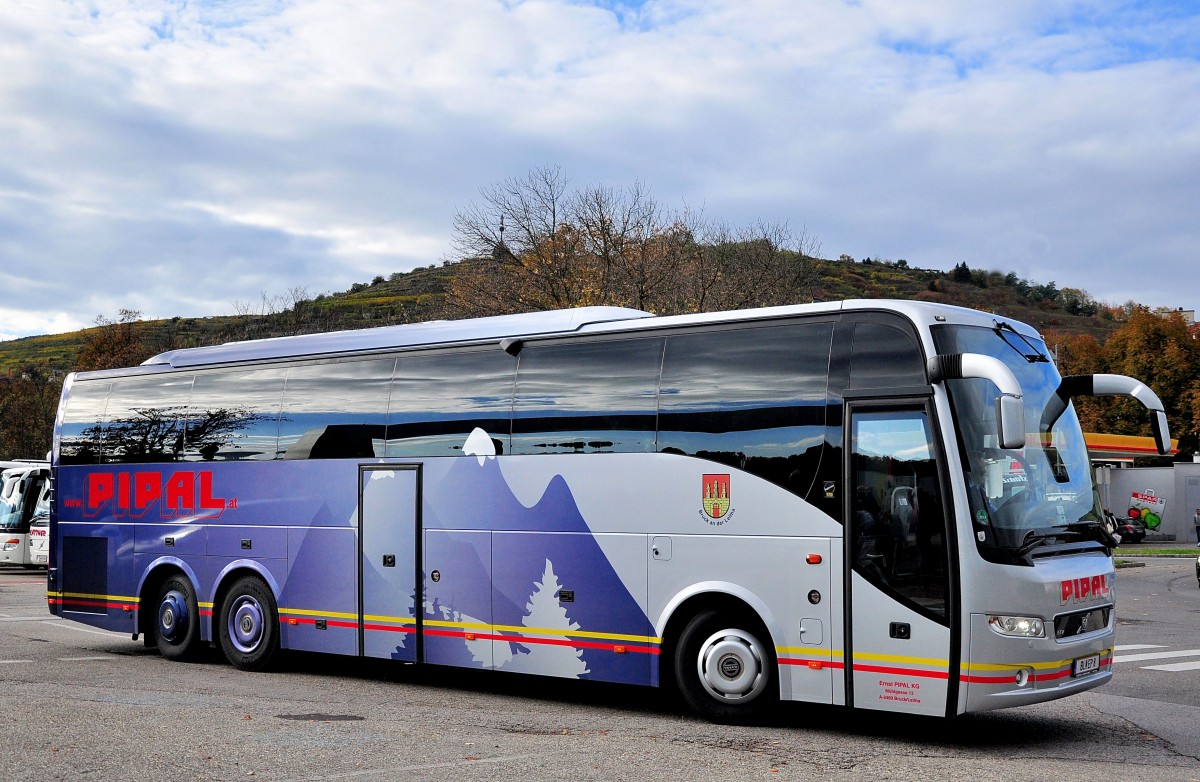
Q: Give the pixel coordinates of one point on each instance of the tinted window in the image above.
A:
(885, 356)
(587, 397)
(143, 421)
(80, 431)
(752, 399)
(898, 527)
(233, 414)
(437, 400)
(335, 411)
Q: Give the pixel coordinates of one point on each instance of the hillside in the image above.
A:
(408, 297)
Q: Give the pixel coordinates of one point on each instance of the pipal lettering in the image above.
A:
(1078, 590)
(136, 494)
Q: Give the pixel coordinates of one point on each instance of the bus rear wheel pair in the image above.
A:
(247, 628)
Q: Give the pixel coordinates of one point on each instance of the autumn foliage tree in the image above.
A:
(28, 401)
(115, 343)
(534, 243)
(1157, 348)
(29, 398)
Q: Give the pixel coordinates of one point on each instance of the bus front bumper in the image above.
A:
(1004, 671)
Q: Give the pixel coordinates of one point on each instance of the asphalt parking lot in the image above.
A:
(80, 704)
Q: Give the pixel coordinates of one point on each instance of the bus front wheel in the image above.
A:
(177, 618)
(249, 625)
(723, 669)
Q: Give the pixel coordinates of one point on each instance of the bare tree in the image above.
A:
(535, 244)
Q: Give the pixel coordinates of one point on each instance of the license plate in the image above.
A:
(1086, 665)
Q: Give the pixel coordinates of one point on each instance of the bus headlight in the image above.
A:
(11, 544)
(1019, 626)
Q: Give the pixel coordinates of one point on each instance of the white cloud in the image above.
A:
(177, 157)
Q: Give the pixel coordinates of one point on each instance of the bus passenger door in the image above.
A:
(899, 651)
(389, 523)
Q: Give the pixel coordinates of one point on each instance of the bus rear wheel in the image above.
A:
(177, 618)
(249, 625)
(723, 669)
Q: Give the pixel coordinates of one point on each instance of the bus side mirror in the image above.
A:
(1010, 408)
(1162, 434)
(1010, 421)
(1109, 385)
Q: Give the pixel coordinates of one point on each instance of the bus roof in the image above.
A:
(517, 327)
(434, 332)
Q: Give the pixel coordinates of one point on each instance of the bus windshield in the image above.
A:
(10, 499)
(1025, 498)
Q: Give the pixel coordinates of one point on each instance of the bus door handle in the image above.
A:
(900, 630)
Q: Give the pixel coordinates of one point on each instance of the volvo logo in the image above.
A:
(731, 667)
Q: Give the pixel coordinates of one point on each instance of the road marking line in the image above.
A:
(14, 662)
(1134, 658)
(84, 659)
(390, 772)
(1129, 647)
(1192, 666)
(29, 619)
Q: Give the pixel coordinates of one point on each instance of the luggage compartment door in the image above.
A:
(389, 530)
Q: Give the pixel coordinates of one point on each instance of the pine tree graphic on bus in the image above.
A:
(545, 612)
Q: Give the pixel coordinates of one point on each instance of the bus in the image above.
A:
(878, 504)
(24, 498)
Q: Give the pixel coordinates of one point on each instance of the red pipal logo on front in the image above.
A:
(135, 494)
(1079, 590)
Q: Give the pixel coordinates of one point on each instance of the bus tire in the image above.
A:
(249, 625)
(176, 618)
(724, 670)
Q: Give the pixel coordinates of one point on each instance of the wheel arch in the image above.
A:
(154, 575)
(231, 573)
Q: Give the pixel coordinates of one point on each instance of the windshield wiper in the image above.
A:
(1036, 357)
(1079, 529)
(1094, 529)
(1036, 537)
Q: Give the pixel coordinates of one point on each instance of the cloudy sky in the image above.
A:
(178, 157)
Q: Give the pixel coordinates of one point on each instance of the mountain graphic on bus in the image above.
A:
(537, 554)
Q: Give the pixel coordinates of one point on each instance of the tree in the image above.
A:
(1157, 349)
(534, 243)
(115, 343)
(1077, 302)
(1042, 293)
(28, 401)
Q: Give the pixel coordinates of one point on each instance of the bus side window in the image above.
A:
(885, 357)
(594, 397)
(80, 432)
(753, 399)
(142, 421)
(233, 415)
(335, 410)
(438, 399)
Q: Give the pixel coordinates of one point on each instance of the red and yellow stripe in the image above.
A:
(810, 657)
(619, 643)
(70, 600)
(1005, 673)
